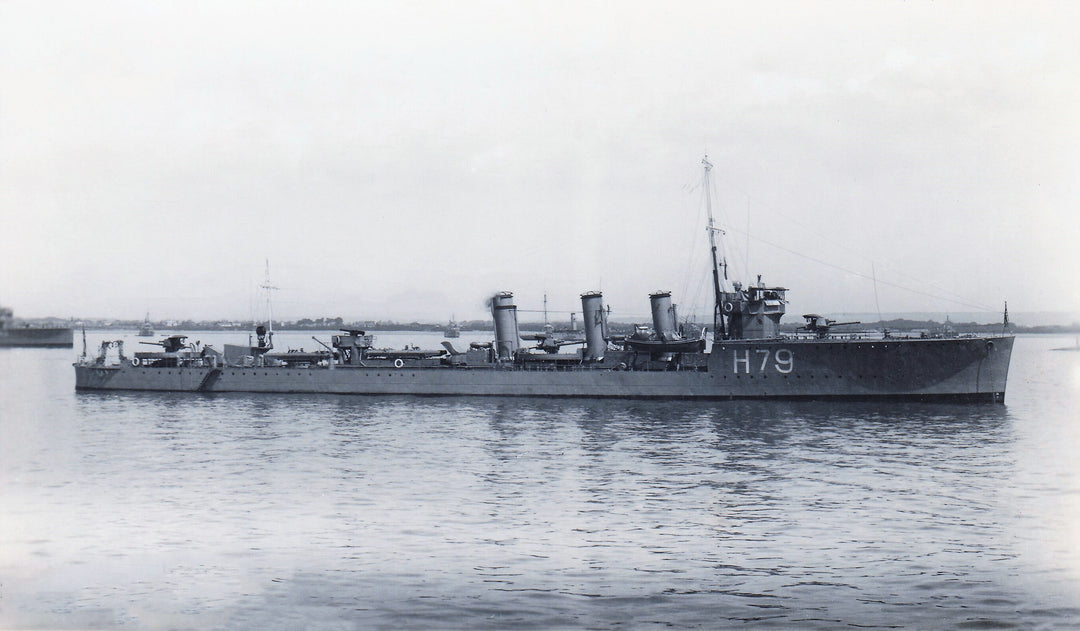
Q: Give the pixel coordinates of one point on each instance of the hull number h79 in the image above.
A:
(783, 360)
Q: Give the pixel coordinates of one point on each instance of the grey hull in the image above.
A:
(961, 369)
(37, 337)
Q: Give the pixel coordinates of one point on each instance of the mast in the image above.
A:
(269, 304)
(711, 229)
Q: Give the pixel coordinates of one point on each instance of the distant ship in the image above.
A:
(46, 337)
(147, 328)
(1075, 347)
(452, 329)
(748, 358)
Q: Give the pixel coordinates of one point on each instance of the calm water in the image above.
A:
(289, 511)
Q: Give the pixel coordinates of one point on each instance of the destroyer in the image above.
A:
(748, 358)
(38, 336)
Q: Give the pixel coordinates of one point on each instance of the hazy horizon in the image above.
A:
(407, 160)
(1024, 319)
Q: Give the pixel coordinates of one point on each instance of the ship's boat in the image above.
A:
(32, 336)
(749, 357)
(663, 338)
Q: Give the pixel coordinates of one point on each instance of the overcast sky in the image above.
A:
(405, 160)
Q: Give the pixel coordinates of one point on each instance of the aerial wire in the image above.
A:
(965, 303)
(956, 297)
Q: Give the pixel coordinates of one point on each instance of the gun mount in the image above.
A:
(820, 325)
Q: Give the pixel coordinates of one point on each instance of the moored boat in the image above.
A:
(147, 328)
(1075, 347)
(32, 336)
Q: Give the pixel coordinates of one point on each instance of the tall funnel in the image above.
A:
(663, 315)
(504, 312)
(592, 310)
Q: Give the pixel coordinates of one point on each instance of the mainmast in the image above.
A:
(719, 286)
(269, 303)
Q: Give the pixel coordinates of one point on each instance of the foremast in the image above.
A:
(751, 312)
(719, 330)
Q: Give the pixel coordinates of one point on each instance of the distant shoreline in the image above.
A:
(618, 328)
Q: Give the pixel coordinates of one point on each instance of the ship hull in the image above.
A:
(965, 369)
(37, 337)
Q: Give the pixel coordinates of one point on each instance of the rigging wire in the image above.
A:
(944, 294)
(693, 265)
(959, 298)
(965, 303)
(877, 303)
(698, 272)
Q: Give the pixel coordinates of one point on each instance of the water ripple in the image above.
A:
(135, 510)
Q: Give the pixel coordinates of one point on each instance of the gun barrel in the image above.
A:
(323, 345)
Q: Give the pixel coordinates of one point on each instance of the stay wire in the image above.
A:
(959, 299)
(965, 303)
